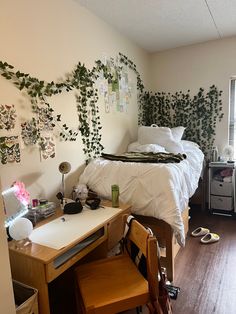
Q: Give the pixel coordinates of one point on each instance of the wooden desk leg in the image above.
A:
(31, 272)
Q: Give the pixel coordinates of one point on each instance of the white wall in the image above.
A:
(47, 39)
(196, 66)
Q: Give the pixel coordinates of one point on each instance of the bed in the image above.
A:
(158, 192)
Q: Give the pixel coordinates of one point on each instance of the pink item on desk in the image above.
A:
(35, 202)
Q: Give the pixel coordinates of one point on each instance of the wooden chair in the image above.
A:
(114, 284)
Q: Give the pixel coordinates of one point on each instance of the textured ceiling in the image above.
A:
(157, 25)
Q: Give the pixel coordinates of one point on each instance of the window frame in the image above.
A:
(232, 114)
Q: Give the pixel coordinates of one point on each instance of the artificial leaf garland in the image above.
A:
(199, 113)
(80, 79)
(83, 81)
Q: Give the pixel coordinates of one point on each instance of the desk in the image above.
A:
(37, 265)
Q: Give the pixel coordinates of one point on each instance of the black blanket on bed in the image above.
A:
(147, 157)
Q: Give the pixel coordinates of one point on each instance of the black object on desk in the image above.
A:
(73, 208)
(93, 203)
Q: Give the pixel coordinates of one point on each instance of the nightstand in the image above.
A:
(222, 188)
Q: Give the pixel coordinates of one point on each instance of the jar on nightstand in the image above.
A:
(214, 154)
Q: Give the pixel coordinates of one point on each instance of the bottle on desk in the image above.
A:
(115, 195)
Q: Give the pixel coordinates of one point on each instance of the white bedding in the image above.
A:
(158, 190)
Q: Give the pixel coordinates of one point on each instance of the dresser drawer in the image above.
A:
(221, 188)
(221, 202)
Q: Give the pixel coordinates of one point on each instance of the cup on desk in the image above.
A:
(35, 202)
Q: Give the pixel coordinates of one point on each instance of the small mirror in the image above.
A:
(14, 206)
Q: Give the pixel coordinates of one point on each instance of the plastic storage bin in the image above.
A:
(221, 188)
(26, 298)
(221, 202)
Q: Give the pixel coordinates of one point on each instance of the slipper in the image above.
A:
(200, 232)
(210, 238)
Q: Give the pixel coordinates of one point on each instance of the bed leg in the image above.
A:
(165, 236)
(170, 258)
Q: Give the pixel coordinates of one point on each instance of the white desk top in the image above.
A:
(58, 233)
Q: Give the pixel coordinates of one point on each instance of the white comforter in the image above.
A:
(158, 190)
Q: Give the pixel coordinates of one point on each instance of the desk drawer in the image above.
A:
(221, 188)
(74, 254)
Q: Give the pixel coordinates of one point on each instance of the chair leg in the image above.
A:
(139, 309)
(154, 308)
(150, 308)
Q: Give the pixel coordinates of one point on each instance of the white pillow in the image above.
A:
(178, 132)
(161, 136)
(147, 148)
(154, 135)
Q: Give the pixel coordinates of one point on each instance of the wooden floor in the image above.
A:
(206, 274)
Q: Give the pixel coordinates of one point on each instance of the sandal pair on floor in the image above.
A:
(208, 237)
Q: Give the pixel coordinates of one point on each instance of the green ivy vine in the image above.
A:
(199, 114)
(80, 79)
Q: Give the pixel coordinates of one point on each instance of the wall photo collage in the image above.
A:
(12, 141)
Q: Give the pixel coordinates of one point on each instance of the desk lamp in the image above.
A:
(64, 168)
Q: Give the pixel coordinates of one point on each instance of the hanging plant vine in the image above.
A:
(83, 81)
(199, 114)
(80, 79)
